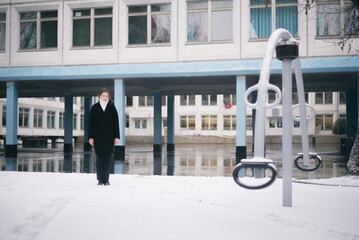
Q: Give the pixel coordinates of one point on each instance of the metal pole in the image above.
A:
(287, 132)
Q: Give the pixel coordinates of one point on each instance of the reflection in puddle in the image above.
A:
(187, 160)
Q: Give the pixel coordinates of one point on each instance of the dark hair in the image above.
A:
(102, 90)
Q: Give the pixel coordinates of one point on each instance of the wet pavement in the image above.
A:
(186, 160)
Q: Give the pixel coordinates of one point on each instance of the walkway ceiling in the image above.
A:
(175, 85)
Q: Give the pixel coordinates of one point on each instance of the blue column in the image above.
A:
(170, 123)
(119, 96)
(11, 119)
(157, 125)
(68, 123)
(88, 103)
(352, 120)
(241, 146)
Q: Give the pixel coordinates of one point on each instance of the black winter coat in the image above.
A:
(103, 127)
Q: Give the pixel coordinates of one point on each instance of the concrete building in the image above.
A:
(166, 48)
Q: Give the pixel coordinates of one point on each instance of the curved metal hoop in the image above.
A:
(269, 87)
(308, 118)
(279, 96)
(240, 166)
(316, 157)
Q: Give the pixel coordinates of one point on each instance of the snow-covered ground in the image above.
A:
(49, 206)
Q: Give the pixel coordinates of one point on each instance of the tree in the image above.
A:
(353, 163)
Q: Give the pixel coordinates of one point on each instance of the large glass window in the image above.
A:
(38, 118)
(188, 122)
(159, 29)
(92, 27)
(229, 122)
(330, 15)
(144, 101)
(24, 117)
(38, 30)
(2, 31)
(324, 98)
(209, 100)
(188, 100)
(209, 122)
(74, 123)
(285, 13)
(51, 119)
(209, 20)
(324, 121)
(61, 120)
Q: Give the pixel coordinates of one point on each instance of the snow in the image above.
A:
(51, 206)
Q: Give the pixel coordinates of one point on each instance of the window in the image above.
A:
(188, 100)
(275, 123)
(342, 98)
(209, 100)
(209, 122)
(3, 116)
(249, 122)
(324, 122)
(285, 13)
(229, 100)
(61, 120)
(129, 101)
(127, 121)
(145, 101)
(209, 20)
(295, 99)
(141, 123)
(229, 122)
(82, 123)
(324, 98)
(330, 15)
(92, 27)
(164, 100)
(157, 31)
(24, 117)
(38, 30)
(2, 31)
(74, 123)
(51, 119)
(188, 122)
(38, 118)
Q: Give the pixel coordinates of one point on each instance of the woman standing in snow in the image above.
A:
(103, 134)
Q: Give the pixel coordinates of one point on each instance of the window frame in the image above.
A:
(149, 15)
(209, 10)
(24, 114)
(92, 17)
(3, 22)
(51, 115)
(38, 22)
(38, 116)
(273, 5)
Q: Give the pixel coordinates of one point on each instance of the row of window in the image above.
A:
(230, 99)
(207, 21)
(24, 114)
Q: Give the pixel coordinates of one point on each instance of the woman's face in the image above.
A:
(104, 96)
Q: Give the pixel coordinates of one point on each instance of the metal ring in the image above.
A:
(249, 91)
(319, 160)
(279, 97)
(240, 166)
(308, 118)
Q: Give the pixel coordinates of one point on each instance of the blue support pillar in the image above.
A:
(68, 123)
(11, 120)
(352, 120)
(157, 125)
(88, 103)
(241, 146)
(170, 123)
(119, 96)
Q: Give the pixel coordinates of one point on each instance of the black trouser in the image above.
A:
(103, 161)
